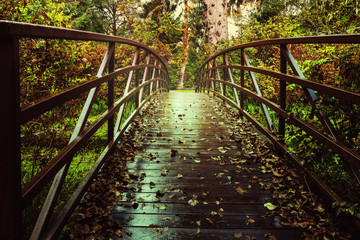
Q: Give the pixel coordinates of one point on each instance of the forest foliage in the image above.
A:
(49, 66)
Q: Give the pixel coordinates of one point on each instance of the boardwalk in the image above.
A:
(199, 184)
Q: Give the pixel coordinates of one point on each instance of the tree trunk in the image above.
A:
(184, 57)
(216, 20)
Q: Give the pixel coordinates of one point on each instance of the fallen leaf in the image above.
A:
(160, 193)
(127, 232)
(209, 220)
(193, 202)
(179, 176)
(164, 172)
(119, 233)
(238, 235)
(173, 152)
(249, 221)
(240, 190)
(270, 236)
(134, 204)
(270, 206)
(222, 150)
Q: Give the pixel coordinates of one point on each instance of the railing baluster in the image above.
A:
(208, 76)
(126, 90)
(218, 77)
(159, 75)
(152, 77)
(226, 62)
(224, 77)
(311, 96)
(146, 70)
(242, 79)
(213, 75)
(258, 91)
(54, 191)
(202, 79)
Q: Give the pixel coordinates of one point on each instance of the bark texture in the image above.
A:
(216, 20)
(185, 44)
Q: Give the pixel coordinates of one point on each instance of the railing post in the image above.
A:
(226, 62)
(10, 175)
(208, 76)
(126, 90)
(242, 79)
(282, 92)
(221, 85)
(111, 94)
(137, 82)
(152, 77)
(258, 91)
(146, 70)
(213, 84)
(224, 76)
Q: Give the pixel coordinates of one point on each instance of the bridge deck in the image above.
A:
(200, 183)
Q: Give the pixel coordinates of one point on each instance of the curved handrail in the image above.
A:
(19, 29)
(155, 79)
(339, 38)
(208, 79)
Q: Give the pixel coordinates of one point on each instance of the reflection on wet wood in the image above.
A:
(199, 183)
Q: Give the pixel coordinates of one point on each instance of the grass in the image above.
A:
(185, 90)
(79, 167)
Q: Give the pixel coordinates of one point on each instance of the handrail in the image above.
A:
(206, 82)
(155, 78)
(328, 39)
(28, 30)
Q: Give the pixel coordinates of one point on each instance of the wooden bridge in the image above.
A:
(200, 182)
(201, 172)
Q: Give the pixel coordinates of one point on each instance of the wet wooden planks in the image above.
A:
(191, 188)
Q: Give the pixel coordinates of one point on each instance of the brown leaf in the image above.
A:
(249, 221)
(119, 233)
(209, 220)
(173, 152)
(240, 190)
(127, 232)
(238, 235)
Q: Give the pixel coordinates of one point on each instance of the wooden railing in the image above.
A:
(216, 73)
(13, 197)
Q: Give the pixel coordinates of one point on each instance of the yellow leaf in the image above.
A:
(270, 206)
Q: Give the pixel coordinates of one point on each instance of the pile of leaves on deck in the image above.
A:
(294, 203)
(90, 220)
